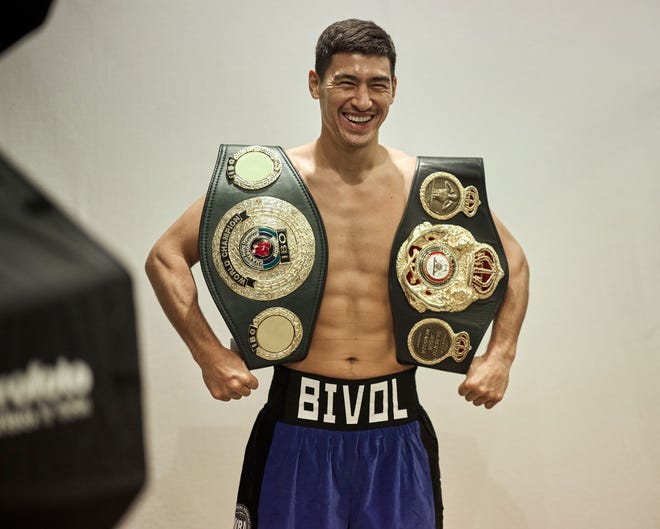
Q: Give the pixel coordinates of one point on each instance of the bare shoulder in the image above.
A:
(300, 150)
(398, 155)
(302, 158)
(403, 161)
(182, 237)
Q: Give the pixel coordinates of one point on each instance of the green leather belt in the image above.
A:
(264, 253)
(448, 270)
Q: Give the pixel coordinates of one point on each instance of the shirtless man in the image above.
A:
(361, 189)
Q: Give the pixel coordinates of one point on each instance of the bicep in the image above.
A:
(182, 237)
(514, 252)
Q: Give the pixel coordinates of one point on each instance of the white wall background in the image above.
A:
(116, 109)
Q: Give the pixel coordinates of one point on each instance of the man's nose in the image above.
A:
(362, 98)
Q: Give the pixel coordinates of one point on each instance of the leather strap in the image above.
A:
(263, 252)
(443, 195)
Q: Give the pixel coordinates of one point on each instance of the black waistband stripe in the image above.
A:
(313, 400)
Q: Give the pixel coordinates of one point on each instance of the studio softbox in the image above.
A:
(71, 443)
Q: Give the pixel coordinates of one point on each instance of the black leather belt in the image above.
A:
(263, 252)
(448, 270)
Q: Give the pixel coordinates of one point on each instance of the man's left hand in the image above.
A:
(486, 381)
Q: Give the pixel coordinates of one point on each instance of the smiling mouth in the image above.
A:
(359, 120)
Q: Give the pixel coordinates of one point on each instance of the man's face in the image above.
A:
(355, 95)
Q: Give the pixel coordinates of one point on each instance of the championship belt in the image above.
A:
(448, 269)
(263, 252)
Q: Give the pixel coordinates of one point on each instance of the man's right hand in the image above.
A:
(226, 375)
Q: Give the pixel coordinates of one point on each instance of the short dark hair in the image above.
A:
(353, 36)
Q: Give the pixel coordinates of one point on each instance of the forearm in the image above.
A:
(175, 288)
(168, 267)
(510, 316)
(488, 376)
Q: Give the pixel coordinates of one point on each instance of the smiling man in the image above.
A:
(343, 441)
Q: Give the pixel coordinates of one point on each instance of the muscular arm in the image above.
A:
(488, 376)
(168, 267)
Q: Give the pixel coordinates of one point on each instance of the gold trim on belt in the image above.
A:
(442, 267)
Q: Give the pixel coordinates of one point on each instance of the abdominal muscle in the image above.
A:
(354, 333)
(353, 336)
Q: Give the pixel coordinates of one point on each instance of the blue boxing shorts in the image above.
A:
(340, 454)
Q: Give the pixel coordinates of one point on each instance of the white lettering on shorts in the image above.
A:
(383, 402)
(308, 403)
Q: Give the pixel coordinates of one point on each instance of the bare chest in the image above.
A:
(360, 223)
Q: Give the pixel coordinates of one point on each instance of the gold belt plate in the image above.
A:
(263, 248)
(443, 268)
(254, 167)
(431, 341)
(275, 333)
(443, 196)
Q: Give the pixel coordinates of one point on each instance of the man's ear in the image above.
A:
(394, 82)
(314, 82)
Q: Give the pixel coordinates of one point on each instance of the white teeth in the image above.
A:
(358, 119)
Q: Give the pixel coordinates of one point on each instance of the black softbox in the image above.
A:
(71, 444)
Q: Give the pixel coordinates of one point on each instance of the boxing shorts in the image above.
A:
(333, 454)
